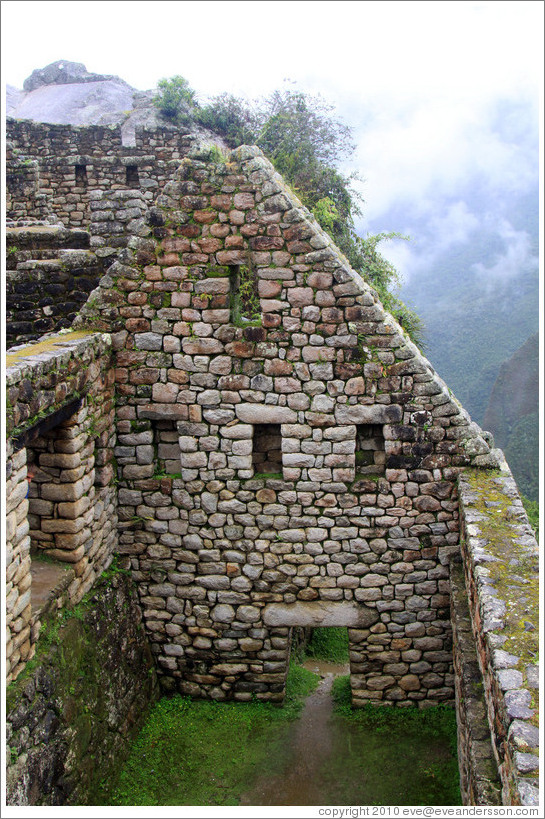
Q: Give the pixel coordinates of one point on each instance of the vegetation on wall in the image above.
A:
(175, 99)
(306, 143)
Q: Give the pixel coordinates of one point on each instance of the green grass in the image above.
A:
(397, 755)
(329, 644)
(196, 752)
(211, 754)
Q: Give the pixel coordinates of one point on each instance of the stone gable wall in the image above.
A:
(228, 561)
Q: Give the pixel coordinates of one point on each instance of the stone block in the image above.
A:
(319, 614)
(63, 491)
(148, 341)
(368, 414)
(163, 412)
(265, 414)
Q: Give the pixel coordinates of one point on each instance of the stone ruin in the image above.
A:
(264, 447)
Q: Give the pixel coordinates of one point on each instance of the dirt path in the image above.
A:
(310, 744)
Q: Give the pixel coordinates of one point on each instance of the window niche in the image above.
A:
(267, 449)
(59, 523)
(81, 176)
(167, 448)
(370, 450)
(132, 177)
(245, 305)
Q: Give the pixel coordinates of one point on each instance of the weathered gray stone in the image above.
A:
(523, 735)
(509, 679)
(526, 763)
(265, 414)
(317, 613)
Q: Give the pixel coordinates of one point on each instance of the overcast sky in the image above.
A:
(419, 82)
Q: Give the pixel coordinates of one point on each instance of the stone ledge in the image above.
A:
(265, 414)
(47, 349)
(500, 556)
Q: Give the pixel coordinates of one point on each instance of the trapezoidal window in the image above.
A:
(81, 176)
(167, 448)
(244, 297)
(370, 454)
(131, 176)
(267, 449)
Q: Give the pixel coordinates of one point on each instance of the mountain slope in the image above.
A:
(479, 303)
(512, 416)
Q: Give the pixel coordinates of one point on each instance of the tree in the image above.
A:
(230, 117)
(175, 99)
(305, 143)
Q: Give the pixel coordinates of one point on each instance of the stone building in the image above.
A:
(283, 454)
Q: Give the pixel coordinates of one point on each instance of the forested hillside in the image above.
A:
(512, 414)
(476, 319)
(478, 315)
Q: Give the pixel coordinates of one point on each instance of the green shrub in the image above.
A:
(175, 99)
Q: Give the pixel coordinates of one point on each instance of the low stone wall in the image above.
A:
(59, 421)
(50, 273)
(70, 718)
(500, 559)
(479, 778)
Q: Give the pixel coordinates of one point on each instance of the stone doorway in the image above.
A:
(60, 475)
(357, 618)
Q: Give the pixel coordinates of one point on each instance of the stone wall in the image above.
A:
(52, 169)
(70, 718)
(286, 458)
(235, 320)
(60, 491)
(50, 273)
(500, 566)
(479, 778)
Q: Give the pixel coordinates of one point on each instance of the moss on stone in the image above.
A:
(47, 345)
(514, 572)
(91, 674)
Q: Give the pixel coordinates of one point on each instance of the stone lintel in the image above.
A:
(319, 614)
(265, 414)
(163, 412)
(369, 414)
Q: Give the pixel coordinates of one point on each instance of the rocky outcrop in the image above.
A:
(67, 94)
(64, 72)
